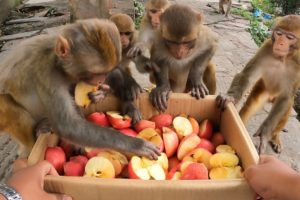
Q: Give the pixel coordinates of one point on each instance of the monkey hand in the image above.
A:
(99, 94)
(141, 147)
(198, 89)
(159, 97)
(43, 126)
(264, 134)
(223, 99)
(129, 109)
(131, 90)
(134, 52)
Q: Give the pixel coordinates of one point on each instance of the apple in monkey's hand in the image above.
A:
(57, 157)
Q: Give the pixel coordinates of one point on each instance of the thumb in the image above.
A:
(55, 196)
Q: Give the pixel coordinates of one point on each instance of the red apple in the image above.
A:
(187, 144)
(162, 120)
(57, 157)
(174, 173)
(98, 118)
(128, 131)
(195, 171)
(206, 129)
(217, 139)
(67, 147)
(73, 168)
(118, 121)
(173, 161)
(99, 167)
(142, 124)
(91, 152)
(81, 159)
(182, 126)
(194, 124)
(206, 144)
(171, 141)
(199, 155)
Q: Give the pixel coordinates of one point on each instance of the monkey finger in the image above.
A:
(224, 104)
(165, 99)
(104, 87)
(161, 103)
(202, 92)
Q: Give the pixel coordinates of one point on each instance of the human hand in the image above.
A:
(272, 179)
(29, 181)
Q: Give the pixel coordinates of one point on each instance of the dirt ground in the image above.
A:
(235, 48)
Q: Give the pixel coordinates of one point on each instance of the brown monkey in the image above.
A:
(150, 23)
(182, 51)
(276, 70)
(35, 85)
(221, 6)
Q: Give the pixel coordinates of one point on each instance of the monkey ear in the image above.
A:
(62, 47)
(200, 17)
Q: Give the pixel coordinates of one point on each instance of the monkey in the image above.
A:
(149, 24)
(181, 56)
(36, 77)
(275, 70)
(221, 7)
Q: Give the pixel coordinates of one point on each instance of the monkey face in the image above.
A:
(126, 38)
(154, 16)
(284, 42)
(180, 50)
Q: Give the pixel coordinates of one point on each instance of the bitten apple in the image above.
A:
(171, 141)
(57, 157)
(81, 93)
(151, 135)
(162, 120)
(118, 121)
(99, 167)
(182, 126)
(187, 144)
(199, 155)
(205, 129)
(98, 118)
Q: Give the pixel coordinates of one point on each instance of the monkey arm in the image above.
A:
(195, 79)
(69, 124)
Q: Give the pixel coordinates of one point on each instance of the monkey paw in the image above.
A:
(198, 89)
(100, 94)
(147, 149)
(129, 109)
(43, 126)
(159, 97)
(222, 100)
(131, 90)
(276, 146)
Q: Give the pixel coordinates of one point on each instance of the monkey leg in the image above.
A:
(209, 78)
(221, 7)
(255, 101)
(275, 141)
(17, 122)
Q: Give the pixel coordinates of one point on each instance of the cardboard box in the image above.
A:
(83, 188)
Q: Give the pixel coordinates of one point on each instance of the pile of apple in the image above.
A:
(189, 151)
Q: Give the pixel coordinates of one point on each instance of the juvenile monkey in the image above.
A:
(276, 70)
(150, 23)
(221, 7)
(182, 53)
(35, 84)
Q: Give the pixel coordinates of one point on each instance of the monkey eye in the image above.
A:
(126, 33)
(291, 36)
(279, 33)
(153, 11)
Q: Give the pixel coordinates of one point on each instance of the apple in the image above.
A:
(128, 132)
(143, 124)
(171, 141)
(226, 173)
(74, 168)
(223, 160)
(67, 147)
(195, 125)
(80, 158)
(206, 144)
(117, 159)
(205, 129)
(91, 152)
(151, 135)
(187, 144)
(217, 139)
(199, 155)
(174, 173)
(98, 118)
(162, 120)
(173, 161)
(163, 161)
(182, 126)
(195, 171)
(81, 93)
(225, 148)
(118, 121)
(99, 167)
(57, 157)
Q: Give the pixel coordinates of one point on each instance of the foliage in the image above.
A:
(287, 6)
(244, 13)
(138, 13)
(266, 6)
(259, 31)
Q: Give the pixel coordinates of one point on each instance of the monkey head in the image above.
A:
(126, 28)
(180, 27)
(286, 36)
(89, 50)
(154, 10)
